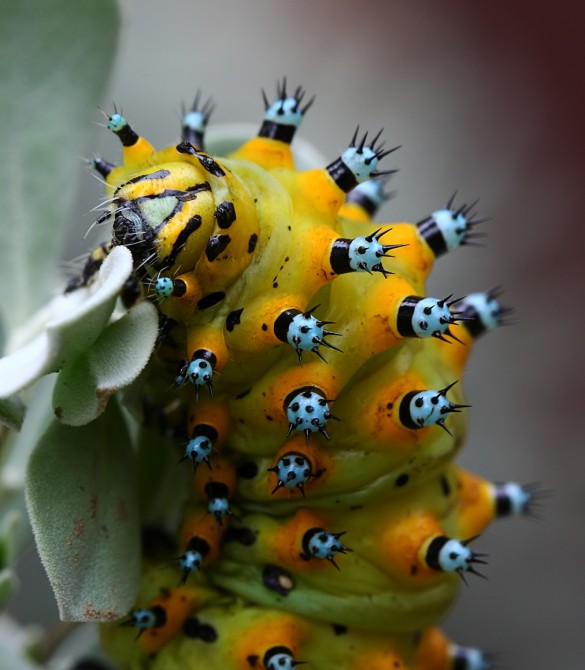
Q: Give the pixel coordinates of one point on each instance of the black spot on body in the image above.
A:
(242, 535)
(252, 243)
(402, 480)
(445, 486)
(210, 300)
(233, 319)
(215, 245)
(264, 327)
(225, 214)
(193, 628)
(339, 629)
(277, 579)
(247, 470)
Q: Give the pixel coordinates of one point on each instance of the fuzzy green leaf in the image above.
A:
(55, 57)
(114, 361)
(74, 322)
(83, 503)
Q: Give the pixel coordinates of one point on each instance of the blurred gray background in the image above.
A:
(486, 101)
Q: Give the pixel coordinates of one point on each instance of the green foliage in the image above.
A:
(83, 503)
(55, 57)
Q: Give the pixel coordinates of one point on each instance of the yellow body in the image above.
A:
(391, 488)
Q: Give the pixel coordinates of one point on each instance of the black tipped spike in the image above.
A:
(265, 99)
(462, 577)
(450, 334)
(373, 142)
(476, 572)
(279, 485)
(332, 560)
(316, 351)
(308, 105)
(446, 389)
(383, 173)
(451, 200)
(441, 422)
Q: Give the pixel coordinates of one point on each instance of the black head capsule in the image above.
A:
(194, 121)
(303, 331)
(449, 228)
(361, 254)
(427, 317)
(285, 115)
(358, 162)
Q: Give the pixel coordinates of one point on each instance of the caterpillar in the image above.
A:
(312, 391)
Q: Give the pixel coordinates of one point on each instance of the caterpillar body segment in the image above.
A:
(312, 382)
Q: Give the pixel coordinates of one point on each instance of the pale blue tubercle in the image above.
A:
(116, 123)
(219, 507)
(191, 560)
(163, 287)
(430, 317)
(292, 470)
(361, 161)
(308, 411)
(324, 545)
(365, 253)
(454, 556)
(470, 658)
(195, 120)
(143, 619)
(286, 112)
(280, 662)
(373, 189)
(428, 407)
(304, 332)
(453, 226)
(199, 372)
(198, 449)
(487, 307)
(518, 497)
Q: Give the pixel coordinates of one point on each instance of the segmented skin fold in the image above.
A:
(307, 386)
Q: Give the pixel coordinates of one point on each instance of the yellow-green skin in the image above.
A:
(391, 488)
